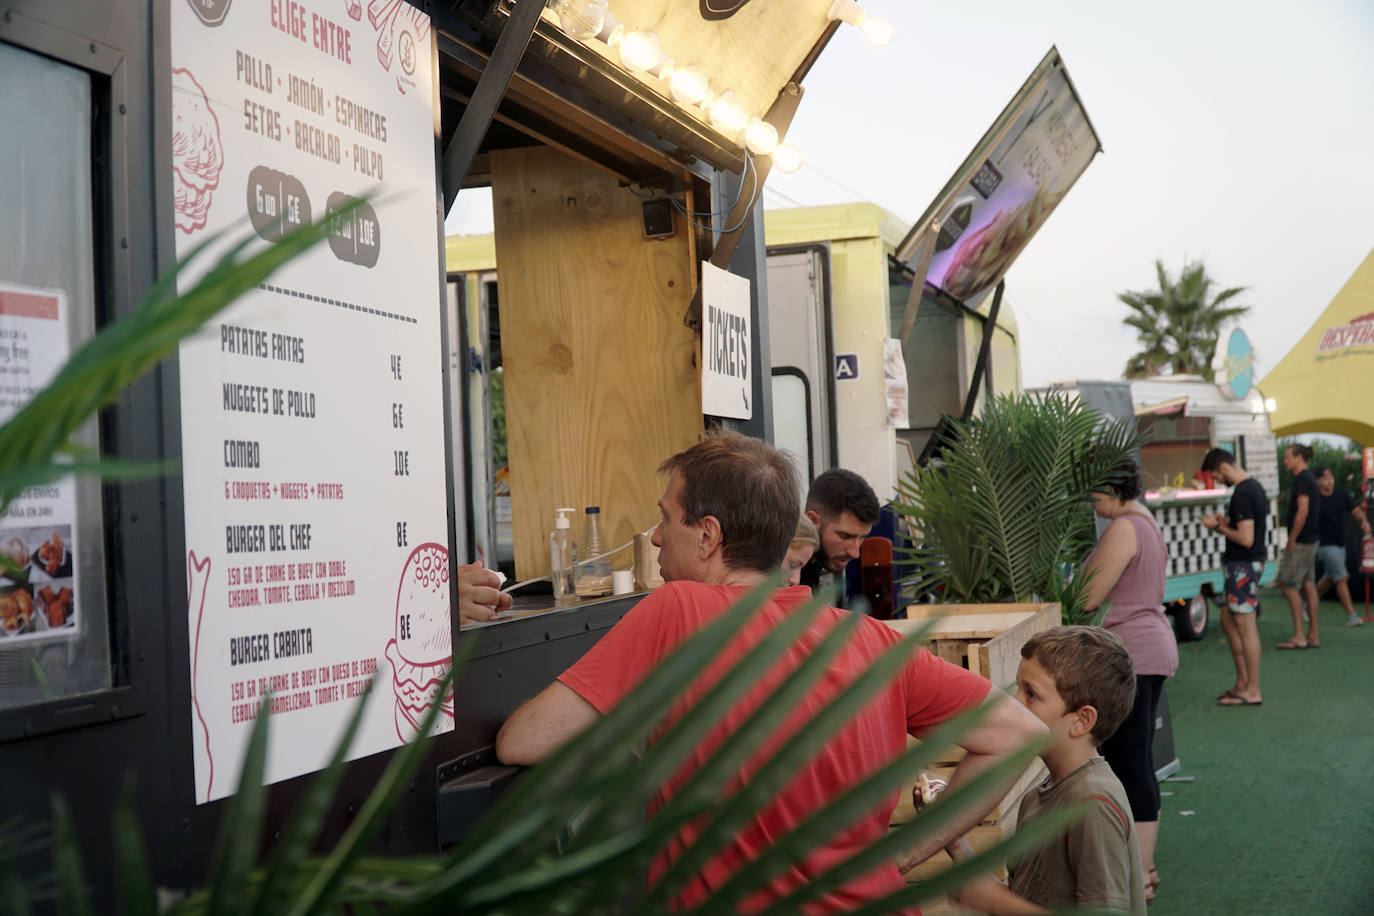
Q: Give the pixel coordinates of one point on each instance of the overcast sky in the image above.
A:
(1235, 132)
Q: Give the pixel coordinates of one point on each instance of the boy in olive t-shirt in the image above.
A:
(1080, 682)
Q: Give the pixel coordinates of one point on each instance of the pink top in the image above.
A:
(1137, 612)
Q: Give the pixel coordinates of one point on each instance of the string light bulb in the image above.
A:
(786, 158)
(727, 115)
(760, 137)
(580, 19)
(876, 30)
(639, 51)
(688, 85)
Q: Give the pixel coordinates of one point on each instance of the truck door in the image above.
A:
(803, 358)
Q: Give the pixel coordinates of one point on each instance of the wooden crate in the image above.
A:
(986, 639)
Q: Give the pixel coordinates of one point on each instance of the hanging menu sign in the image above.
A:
(311, 410)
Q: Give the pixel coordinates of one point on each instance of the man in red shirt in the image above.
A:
(729, 512)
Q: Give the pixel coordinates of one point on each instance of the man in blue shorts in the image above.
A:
(1332, 508)
(1243, 563)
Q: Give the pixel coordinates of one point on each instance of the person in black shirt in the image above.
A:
(1332, 507)
(1298, 570)
(1242, 562)
(844, 508)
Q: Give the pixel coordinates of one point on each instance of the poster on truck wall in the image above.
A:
(38, 584)
(311, 410)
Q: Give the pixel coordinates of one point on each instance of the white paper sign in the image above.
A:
(38, 584)
(312, 421)
(726, 373)
(894, 384)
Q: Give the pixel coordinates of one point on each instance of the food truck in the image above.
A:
(900, 325)
(1183, 417)
(321, 426)
(836, 294)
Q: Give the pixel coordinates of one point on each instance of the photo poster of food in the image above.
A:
(1007, 189)
(312, 409)
(38, 578)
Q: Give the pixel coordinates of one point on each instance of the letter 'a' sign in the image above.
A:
(726, 373)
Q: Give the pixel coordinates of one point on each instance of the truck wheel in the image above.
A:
(1191, 616)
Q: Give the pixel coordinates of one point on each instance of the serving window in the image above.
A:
(582, 370)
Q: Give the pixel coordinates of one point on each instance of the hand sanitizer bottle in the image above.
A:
(563, 558)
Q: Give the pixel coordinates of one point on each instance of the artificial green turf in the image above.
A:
(1279, 817)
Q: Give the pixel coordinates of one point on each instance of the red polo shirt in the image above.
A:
(926, 692)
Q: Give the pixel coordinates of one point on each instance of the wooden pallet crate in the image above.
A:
(986, 639)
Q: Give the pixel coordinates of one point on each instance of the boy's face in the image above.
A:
(1035, 689)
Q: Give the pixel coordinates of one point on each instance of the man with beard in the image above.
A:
(844, 508)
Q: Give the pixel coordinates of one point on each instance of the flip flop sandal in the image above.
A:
(1239, 701)
(1226, 693)
(1289, 644)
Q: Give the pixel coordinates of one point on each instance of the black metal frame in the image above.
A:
(108, 67)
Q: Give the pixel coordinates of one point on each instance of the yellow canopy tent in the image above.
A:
(1326, 382)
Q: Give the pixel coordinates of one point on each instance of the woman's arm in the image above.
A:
(1114, 553)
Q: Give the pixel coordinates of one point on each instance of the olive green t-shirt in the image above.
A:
(1096, 863)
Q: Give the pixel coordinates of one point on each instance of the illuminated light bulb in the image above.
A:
(1271, 405)
(728, 116)
(876, 30)
(786, 158)
(615, 35)
(760, 137)
(581, 19)
(639, 51)
(688, 85)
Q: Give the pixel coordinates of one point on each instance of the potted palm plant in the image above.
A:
(1002, 513)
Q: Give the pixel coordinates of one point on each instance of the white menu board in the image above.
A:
(311, 410)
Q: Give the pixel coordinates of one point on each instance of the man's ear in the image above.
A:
(814, 516)
(709, 535)
(1084, 720)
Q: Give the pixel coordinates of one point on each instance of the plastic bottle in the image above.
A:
(563, 558)
(593, 575)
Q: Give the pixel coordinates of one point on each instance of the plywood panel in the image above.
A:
(600, 373)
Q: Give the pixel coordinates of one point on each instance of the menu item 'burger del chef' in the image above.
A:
(422, 649)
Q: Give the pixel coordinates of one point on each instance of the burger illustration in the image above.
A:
(421, 651)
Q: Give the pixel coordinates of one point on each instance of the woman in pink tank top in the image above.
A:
(1128, 567)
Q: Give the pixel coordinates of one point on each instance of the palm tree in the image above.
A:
(1178, 324)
